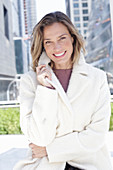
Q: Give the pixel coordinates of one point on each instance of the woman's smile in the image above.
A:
(58, 45)
(60, 55)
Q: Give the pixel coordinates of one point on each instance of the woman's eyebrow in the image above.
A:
(62, 35)
(47, 39)
(58, 37)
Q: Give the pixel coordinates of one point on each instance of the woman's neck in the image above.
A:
(63, 67)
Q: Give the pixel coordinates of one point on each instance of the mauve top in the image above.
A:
(63, 76)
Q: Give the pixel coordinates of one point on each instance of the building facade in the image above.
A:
(15, 18)
(18, 36)
(78, 11)
(67, 2)
(7, 57)
(30, 20)
(21, 18)
(99, 41)
(30, 15)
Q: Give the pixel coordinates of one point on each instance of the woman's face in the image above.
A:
(58, 45)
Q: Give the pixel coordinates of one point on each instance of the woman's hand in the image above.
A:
(42, 73)
(38, 151)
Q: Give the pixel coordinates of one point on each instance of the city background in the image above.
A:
(18, 17)
(92, 18)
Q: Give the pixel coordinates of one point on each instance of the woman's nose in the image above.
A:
(57, 46)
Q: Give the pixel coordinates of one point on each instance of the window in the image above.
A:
(85, 18)
(77, 25)
(76, 18)
(6, 26)
(79, 31)
(75, 5)
(85, 31)
(85, 4)
(85, 24)
(76, 12)
(85, 11)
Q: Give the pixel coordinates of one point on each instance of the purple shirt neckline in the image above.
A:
(63, 76)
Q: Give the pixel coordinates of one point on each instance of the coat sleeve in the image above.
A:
(78, 144)
(38, 112)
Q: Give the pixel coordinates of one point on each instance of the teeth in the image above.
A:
(59, 54)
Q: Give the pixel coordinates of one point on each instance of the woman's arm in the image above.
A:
(91, 139)
(38, 112)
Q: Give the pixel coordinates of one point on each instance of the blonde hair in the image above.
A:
(37, 36)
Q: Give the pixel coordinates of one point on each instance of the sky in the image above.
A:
(46, 6)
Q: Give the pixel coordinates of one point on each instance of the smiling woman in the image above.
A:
(56, 35)
(58, 45)
(64, 102)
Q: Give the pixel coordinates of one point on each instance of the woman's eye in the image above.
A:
(62, 38)
(47, 42)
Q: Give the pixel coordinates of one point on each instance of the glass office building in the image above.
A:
(99, 42)
(78, 11)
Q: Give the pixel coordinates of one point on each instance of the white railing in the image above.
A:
(8, 104)
(111, 98)
(9, 86)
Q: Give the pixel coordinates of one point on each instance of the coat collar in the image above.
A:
(81, 66)
(78, 80)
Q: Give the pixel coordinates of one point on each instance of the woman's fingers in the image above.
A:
(38, 69)
(42, 74)
(38, 151)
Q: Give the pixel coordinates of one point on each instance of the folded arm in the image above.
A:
(38, 112)
(77, 145)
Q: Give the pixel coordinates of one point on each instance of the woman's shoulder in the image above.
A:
(29, 75)
(95, 71)
(96, 74)
(29, 78)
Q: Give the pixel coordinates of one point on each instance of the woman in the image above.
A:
(65, 103)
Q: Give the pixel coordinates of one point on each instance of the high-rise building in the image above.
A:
(15, 18)
(18, 36)
(30, 20)
(111, 12)
(99, 41)
(30, 15)
(18, 18)
(67, 2)
(21, 18)
(7, 57)
(78, 11)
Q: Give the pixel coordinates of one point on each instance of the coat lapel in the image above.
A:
(56, 84)
(79, 80)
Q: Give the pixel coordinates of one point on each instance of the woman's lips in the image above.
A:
(60, 54)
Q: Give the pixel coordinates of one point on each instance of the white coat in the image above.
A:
(72, 125)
